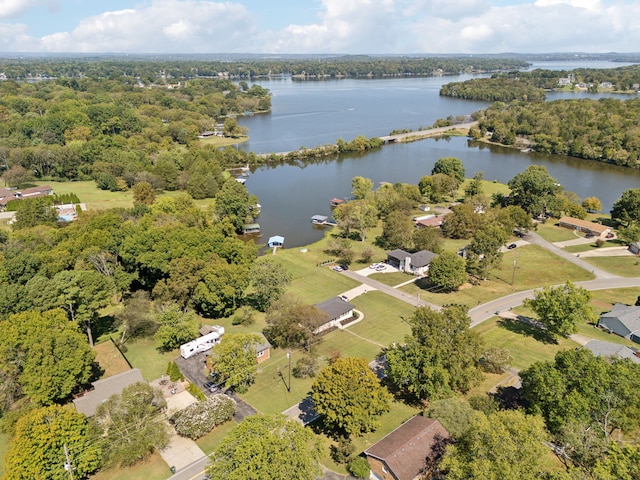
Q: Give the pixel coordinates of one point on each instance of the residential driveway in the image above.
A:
(303, 412)
(181, 451)
(606, 252)
(194, 368)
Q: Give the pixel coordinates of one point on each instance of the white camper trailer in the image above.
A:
(201, 344)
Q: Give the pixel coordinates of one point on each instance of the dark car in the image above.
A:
(212, 387)
(512, 246)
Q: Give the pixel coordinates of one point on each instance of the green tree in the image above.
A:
(231, 128)
(440, 357)
(131, 424)
(264, 446)
(361, 188)
(45, 354)
(269, 280)
(627, 208)
(449, 166)
(592, 204)
(484, 250)
(234, 360)
(37, 449)
(505, 444)
(428, 238)
(620, 463)
(35, 211)
(349, 397)
(143, 194)
(455, 414)
(136, 318)
(397, 231)
(232, 202)
(291, 323)
(532, 189)
(448, 271)
(561, 308)
(475, 186)
(176, 327)
(462, 222)
(630, 233)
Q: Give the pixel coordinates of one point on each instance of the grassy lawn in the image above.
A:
(627, 266)
(143, 354)
(592, 246)
(552, 233)
(392, 278)
(523, 341)
(528, 275)
(381, 326)
(222, 141)
(153, 468)
(110, 359)
(210, 441)
(4, 446)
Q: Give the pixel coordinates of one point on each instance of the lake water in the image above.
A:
(314, 113)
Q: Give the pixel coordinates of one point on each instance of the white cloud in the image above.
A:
(162, 26)
(344, 26)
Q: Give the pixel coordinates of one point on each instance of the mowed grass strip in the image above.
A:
(553, 233)
(535, 268)
(625, 266)
(521, 340)
(110, 359)
(151, 468)
(143, 354)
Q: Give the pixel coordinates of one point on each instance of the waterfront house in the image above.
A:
(596, 229)
(336, 311)
(410, 452)
(415, 263)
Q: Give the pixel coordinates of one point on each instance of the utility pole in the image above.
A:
(515, 264)
(68, 466)
(289, 384)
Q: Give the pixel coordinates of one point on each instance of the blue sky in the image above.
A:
(319, 26)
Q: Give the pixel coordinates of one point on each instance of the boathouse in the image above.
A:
(334, 202)
(275, 241)
(251, 228)
(319, 219)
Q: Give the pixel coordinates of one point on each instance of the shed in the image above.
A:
(275, 241)
(634, 247)
(336, 310)
(623, 320)
(104, 389)
(410, 452)
(263, 350)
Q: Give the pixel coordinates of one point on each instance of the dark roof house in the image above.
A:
(410, 451)
(103, 389)
(336, 310)
(623, 320)
(416, 263)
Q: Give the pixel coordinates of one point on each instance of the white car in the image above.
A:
(374, 265)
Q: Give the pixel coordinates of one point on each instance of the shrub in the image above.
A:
(306, 366)
(196, 392)
(199, 418)
(341, 453)
(174, 372)
(600, 242)
(359, 467)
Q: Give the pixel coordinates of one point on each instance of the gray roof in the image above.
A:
(334, 307)
(103, 389)
(601, 348)
(627, 315)
(418, 259)
(265, 345)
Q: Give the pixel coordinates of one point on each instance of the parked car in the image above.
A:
(610, 235)
(212, 387)
(374, 265)
(512, 246)
(338, 268)
(381, 267)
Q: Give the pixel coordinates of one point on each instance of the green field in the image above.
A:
(535, 267)
(552, 233)
(143, 354)
(626, 266)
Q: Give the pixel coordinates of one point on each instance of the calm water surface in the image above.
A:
(316, 113)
